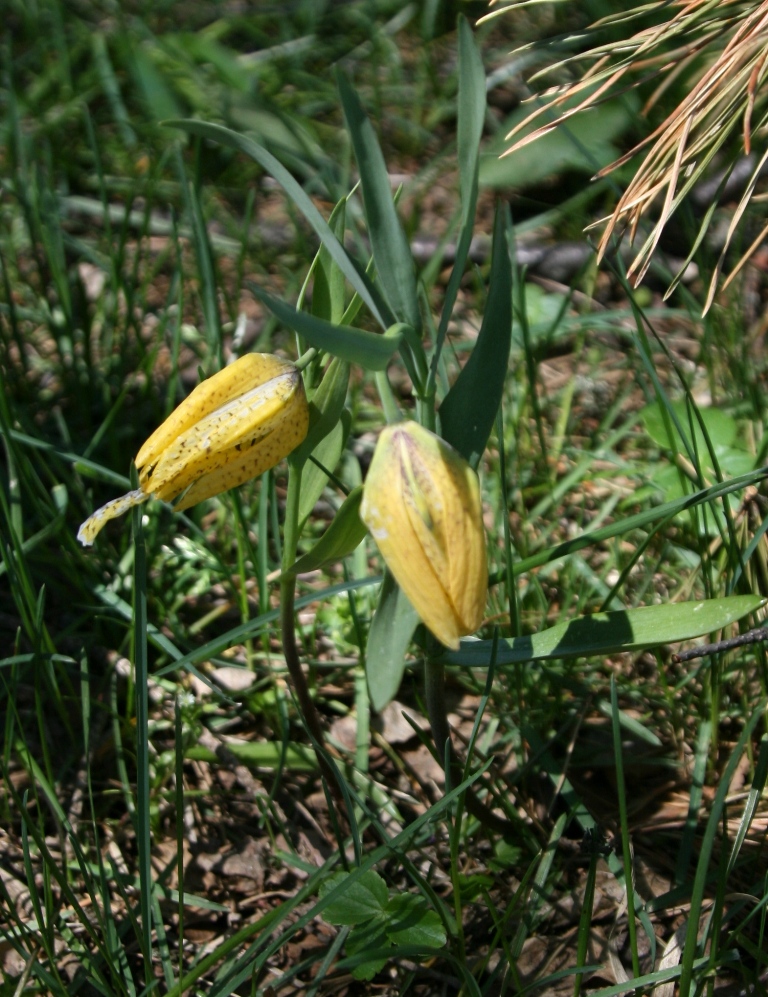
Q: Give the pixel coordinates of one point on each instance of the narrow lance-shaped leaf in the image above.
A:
(470, 120)
(612, 633)
(469, 409)
(325, 406)
(344, 534)
(328, 290)
(370, 350)
(326, 456)
(225, 136)
(390, 635)
(391, 251)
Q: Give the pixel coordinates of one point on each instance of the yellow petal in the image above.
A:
(272, 414)
(422, 504)
(93, 525)
(232, 427)
(251, 458)
(235, 379)
(387, 511)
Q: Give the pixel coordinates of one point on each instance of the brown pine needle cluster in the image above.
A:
(719, 47)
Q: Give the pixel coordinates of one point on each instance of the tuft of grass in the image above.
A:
(701, 66)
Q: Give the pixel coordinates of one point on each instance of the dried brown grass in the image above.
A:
(721, 47)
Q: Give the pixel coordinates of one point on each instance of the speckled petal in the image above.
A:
(94, 524)
(421, 503)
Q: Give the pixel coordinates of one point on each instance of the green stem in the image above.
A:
(391, 411)
(306, 358)
(288, 620)
(434, 690)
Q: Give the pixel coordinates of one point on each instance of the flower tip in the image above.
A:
(94, 524)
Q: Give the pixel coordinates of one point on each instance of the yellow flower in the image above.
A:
(421, 503)
(234, 426)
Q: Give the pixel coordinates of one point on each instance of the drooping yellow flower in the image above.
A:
(422, 505)
(232, 427)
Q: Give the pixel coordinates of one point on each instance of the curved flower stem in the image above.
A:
(391, 411)
(434, 689)
(288, 621)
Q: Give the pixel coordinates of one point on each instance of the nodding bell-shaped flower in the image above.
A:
(422, 505)
(232, 427)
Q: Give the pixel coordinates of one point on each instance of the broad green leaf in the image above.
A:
(365, 898)
(612, 633)
(583, 143)
(370, 350)
(721, 427)
(391, 630)
(391, 251)
(363, 940)
(225, 136)
(327, 453)
(469, 409)
(688, 438)
(344, 534)
(411, 922)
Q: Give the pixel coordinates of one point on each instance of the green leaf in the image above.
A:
(225, 136)
(471, 115)
(469, 409)
(327, 452)
(391, 251)
(630, 725)
(721, 428)
(364, 939)
(370, 350)
(344, 534)
(365, 898)
(584, 143)
(193, 900)
(325, 407)
(410, 921)
(612, 633)
(470, 120)
(160, 100)
(393, 624)
(328, 290)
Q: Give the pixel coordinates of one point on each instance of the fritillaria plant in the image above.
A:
(422, 501)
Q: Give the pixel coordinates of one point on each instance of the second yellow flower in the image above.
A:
(422, 505)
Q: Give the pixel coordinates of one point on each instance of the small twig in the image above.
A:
(750, 637)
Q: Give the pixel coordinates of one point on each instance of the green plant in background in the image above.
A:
(380, 920)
